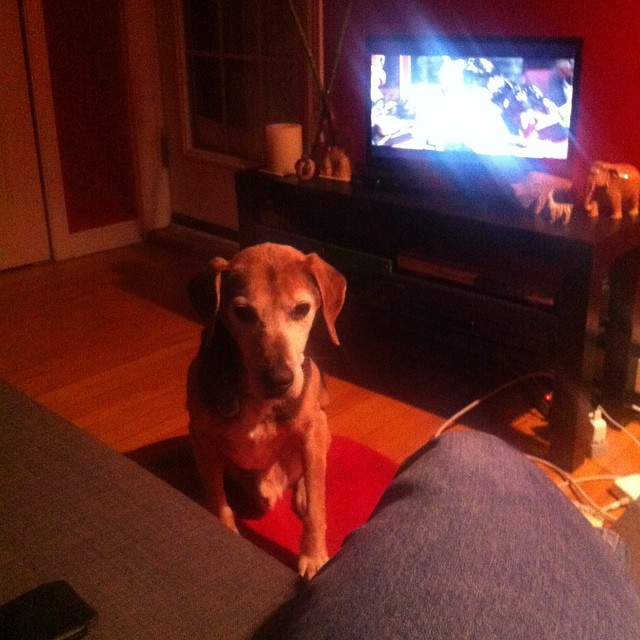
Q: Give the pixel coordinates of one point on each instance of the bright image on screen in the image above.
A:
(497, 106)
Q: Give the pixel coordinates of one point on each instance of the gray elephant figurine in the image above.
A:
(614, 185)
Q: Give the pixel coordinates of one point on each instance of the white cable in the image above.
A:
(579, 491)
(568, 479)
(454, 418)
(601, 478)
(618, 504)
(616, 425)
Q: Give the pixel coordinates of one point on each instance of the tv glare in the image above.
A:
(498, 104)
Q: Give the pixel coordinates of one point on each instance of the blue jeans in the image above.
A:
(470, 540)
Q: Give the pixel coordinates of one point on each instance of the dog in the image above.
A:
(255, 400)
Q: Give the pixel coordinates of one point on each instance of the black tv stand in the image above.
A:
(367, 232)
(474, 186)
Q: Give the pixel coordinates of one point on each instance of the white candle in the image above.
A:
(284, 147)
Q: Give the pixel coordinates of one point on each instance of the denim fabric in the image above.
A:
(470, 540)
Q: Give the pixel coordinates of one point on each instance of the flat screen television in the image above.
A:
(463, 109)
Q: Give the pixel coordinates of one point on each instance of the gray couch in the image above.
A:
(151, 562)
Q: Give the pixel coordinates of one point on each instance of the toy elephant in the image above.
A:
(614, 185)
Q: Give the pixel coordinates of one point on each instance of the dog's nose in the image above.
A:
(276, 380)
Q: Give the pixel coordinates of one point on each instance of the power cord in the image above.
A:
(603, 513)
(618, 504)
(619, 427)
(577, 489)
(472, 405)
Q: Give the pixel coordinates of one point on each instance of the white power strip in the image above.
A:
(627, 487)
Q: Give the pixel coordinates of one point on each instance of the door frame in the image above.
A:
(143, 86)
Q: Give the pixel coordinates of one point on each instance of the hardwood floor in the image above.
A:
(106, 340)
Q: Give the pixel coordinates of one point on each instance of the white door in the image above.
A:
(228, 68)
(23, 224)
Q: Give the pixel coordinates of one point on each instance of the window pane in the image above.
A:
(201, 25)
(240, 26)
(241, 87)
(206, 87)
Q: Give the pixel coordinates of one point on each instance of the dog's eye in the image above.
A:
(301, 311)
(245, 314)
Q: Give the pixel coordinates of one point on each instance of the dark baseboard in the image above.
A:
(201, 245)
(205, 227)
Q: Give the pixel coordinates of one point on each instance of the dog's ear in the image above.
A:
(204, 289)
(333, 288)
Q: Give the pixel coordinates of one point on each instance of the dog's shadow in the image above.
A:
(172, 461)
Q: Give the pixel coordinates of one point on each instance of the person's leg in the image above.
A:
(470, 540)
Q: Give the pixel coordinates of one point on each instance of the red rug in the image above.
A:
(356, 478)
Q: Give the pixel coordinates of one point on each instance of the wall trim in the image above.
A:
(209, 228)
(104, 238)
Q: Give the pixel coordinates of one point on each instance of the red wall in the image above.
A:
(609, 110)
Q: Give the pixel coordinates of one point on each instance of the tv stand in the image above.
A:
(445, 184)
(371, 235)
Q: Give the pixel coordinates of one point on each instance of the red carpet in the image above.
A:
(356, 478)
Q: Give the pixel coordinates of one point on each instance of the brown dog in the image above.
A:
(256, 403)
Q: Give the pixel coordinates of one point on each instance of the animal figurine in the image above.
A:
(256, 401)
(336, 164)
(614, 186)
(541, 188)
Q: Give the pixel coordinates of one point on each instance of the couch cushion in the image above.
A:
(149, 560)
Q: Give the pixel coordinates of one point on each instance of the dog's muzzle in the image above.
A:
(276, 380)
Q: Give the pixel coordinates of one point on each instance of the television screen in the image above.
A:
(488, 99)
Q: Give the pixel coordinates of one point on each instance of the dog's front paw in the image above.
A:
(225, 514)
(309, 565)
